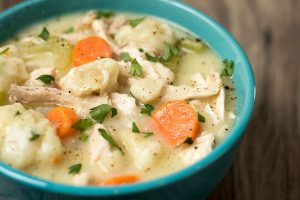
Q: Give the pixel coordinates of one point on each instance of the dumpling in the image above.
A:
(99, 76)
(27, 137)
(150, 35)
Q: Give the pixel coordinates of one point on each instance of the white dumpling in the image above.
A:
(146, 90)
(18, 146)
(99, 76)
(150, 34)
(144, 152)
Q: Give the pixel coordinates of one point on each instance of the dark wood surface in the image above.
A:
(268, 164)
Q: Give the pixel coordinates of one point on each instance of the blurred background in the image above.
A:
(268, 164)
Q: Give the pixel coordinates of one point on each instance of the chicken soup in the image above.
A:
(103, 98)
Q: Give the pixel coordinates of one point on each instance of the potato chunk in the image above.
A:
(99, 76)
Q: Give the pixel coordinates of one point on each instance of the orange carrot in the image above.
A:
(177, 121)
(120, 180)
(90, 49)
(63, 118)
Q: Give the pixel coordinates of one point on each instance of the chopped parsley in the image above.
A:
(46, 78)
(134, 128)
(188, 140)
(83, 124)
(147, 134)
(69, 30)
(108, 137)
(125, 57)
(152, 58)
(169, 51)
(201, 118)
(104, 13)
(134, 22)
(17, 113)
(136, 69)
(141, 50)
(229, 67)
(75, 169)
(147, 109)
(99, 113)
(34, 136)
(44, 34)
(4, 51)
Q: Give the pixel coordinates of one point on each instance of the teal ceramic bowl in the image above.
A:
(194, 182)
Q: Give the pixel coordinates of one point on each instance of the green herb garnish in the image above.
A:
(69, 30)
(104, 13)
(17, 113)
(108, 137)
(46, 78)
(147, 109)
(169, 51)
(125, 57)
(229, 67)
(4, 51)
(152, 58)
(74, 169)
(34, 136)
(141, 50)
(147, 134)
(136, 68)
(99, 113)
(134, 22)
(83, 124)
(201, 118)
(44, 34)
(188, 140)
(134, 128)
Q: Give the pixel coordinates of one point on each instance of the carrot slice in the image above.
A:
(90, 49)
(177, 121)
(63, 118)
(120, 180)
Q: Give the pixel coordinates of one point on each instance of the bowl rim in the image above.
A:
(235, 134)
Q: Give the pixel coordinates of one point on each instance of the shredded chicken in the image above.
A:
(43, 96)
(211, 87)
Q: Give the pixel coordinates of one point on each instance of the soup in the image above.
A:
(103, 98)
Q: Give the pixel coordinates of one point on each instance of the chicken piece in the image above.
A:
(144, 152)
(201, 147)
(74, 38)
(27, 137)
(86, 21)
(149, 29)
(117, 23)
(101, 29)
(42, 96)
(211, 87)
(220, 104)
(209, 110)
(32, 81)
(99, 76)
(101, 153)
(146, 90)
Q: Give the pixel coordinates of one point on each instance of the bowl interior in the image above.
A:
(16, 18)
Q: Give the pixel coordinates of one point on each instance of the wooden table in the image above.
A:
(268, 164)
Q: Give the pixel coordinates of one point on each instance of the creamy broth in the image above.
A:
(145, 156)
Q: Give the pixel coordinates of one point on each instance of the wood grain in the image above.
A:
(268, 164)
